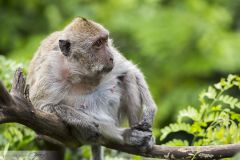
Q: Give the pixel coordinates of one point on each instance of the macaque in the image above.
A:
(78, 70)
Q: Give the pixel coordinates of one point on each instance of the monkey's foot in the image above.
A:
(143, 126)
(139, 138)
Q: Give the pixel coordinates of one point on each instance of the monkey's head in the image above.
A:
(85, 45)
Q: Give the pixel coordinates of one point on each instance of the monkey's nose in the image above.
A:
(111, 61)
(107, 69)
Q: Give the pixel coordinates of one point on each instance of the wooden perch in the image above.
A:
(14, 107)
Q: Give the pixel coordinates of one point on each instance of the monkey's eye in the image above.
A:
(99, 43)
(64, 46)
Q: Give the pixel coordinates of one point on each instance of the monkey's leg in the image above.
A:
(138, 100)
(140, 107)
(148, 103)
(97, 152)
(132, 99)
(83, 127)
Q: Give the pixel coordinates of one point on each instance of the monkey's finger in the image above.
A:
(143, 126)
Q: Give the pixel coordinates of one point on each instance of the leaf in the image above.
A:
(175, 127)
(231, 77)
(5, 150)
(190, 112)
(233, 131)
(216, 108)
(232, 101)
(218, 86)
(211, 93)
(211, 117)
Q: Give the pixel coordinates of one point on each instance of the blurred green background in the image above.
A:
(181, 46)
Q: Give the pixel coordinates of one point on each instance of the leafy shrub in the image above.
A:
(216, 121)
(18, 136)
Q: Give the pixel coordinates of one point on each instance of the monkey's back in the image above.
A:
(39, 76)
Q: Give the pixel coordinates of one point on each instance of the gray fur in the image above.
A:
(56, 85)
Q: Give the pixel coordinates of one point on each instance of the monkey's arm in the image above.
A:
(81, 125)
(86, 128)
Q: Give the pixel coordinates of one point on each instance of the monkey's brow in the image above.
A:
(84, 19)
(102, 36)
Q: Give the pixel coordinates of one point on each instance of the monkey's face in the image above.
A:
(84, 43)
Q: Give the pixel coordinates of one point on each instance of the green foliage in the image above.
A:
(7, 69)
(17, 136)
(177, 142)
(175, 127)
(216, 121)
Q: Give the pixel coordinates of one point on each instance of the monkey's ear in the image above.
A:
(65, 47)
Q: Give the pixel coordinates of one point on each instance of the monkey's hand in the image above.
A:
(143, 139)
(143, 126)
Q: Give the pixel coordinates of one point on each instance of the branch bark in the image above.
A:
(14, 107)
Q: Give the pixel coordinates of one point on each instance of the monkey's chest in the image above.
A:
(103, 103)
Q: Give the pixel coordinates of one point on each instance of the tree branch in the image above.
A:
(14, 107)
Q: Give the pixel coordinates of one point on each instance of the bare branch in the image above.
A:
(184, 153)
(14, 107)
